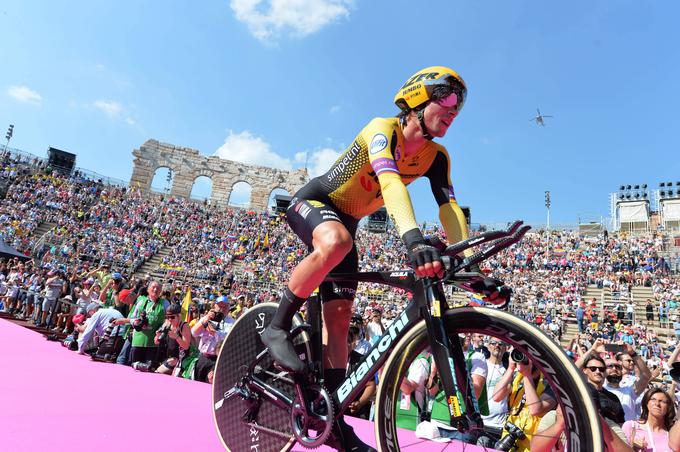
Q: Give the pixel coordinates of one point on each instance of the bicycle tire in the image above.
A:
(567, 382)
(238, 351)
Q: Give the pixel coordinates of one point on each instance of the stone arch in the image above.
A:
(188, 164)
(202, 188)
(159, 181)
(241, 194)
(277, 191)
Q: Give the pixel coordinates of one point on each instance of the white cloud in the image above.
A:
(319, 161)
(111, 108)
(24, 94)
(244, 147)
(267, 19)
(334, 109)
(130, 121)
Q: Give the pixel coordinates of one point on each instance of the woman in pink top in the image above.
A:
(650, 433)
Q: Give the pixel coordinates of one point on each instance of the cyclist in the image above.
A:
(386, 156)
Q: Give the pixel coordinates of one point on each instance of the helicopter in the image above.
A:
(539, 118)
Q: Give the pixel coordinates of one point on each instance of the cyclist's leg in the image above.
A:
(322, 230)
(337, 312)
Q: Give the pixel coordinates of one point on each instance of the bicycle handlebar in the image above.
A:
(500, 240)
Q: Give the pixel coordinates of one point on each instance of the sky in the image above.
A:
(284, 82)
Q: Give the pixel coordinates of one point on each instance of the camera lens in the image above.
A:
(519, 357)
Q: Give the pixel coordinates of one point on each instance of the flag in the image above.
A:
(257, 242)
(185, 305)
(266, 240)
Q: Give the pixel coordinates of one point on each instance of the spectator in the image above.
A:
(361, 406)
(625, 394)
(651, 431)
(210, 339)
(495, 420)
(97, 322)
(580, 314)
(177, 335)
(146, 317)
(595, 368)
(54, 286)
(528, 398)
(375, 327)
(634, 369)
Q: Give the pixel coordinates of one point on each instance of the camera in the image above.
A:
(519, 357)
(143, 366)
(219, 316)
(142, 322)
(508, 441)
(163, 333)
(71, 342)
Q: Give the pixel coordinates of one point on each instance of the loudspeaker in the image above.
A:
(62, 161)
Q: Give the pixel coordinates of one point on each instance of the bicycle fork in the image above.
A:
(451, 365)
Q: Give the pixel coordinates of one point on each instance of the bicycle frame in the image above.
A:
(428, 304)
(448, 356)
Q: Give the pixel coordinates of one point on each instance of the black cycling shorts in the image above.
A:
(303, 217)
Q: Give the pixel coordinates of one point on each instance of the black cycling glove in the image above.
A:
(490, 286)
(419, 252)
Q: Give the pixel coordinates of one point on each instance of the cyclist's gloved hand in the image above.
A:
(425, 259)
(494, 290)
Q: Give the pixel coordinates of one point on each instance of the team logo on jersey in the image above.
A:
(378, 143)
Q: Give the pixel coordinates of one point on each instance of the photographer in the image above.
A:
(147, 316)
(177, 337)
(210, 337)
(97, 322)
(528, 397)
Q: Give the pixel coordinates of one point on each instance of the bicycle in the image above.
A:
(257, 407)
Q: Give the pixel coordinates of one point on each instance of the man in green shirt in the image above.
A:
(149, 315)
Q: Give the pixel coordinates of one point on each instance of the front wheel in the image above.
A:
(582, 431)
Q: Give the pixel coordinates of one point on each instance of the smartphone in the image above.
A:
(614, 348)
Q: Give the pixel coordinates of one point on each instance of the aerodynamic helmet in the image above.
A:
(419, 87)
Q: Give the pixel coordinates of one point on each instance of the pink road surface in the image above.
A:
(52, 399)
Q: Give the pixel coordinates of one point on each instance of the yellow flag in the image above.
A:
(185, 305)
(266, 240)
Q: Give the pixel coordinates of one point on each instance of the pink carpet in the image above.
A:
(52, 399)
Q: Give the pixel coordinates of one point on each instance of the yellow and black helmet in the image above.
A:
(418, 88)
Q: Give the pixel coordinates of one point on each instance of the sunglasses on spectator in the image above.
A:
(499, 343)
(171, 316)
(614, 366)
(595, 369)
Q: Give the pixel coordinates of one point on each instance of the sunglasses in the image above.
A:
(595, 369)
(614, 366)
(495, 343)
(170, 316)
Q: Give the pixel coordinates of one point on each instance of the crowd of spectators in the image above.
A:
(220, 262)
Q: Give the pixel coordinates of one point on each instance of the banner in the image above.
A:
(671, 209)
(635, 211)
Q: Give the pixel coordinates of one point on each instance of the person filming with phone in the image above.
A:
(627, 393)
